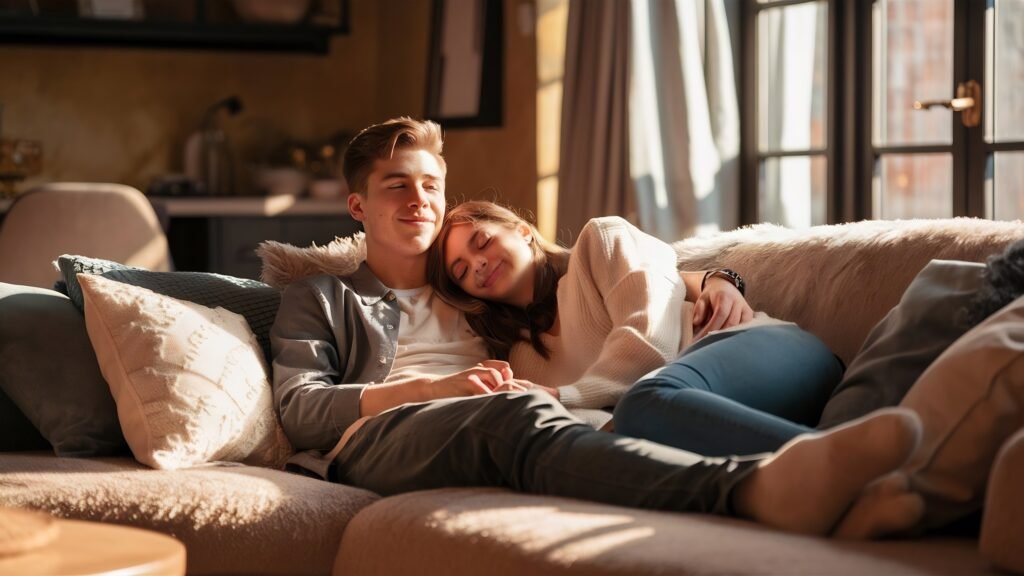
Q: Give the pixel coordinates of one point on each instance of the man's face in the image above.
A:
(404, 203)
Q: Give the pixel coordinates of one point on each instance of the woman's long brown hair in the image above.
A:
(502, 325)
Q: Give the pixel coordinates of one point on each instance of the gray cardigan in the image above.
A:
(333, 336)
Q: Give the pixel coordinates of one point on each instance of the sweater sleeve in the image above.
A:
(635, 278)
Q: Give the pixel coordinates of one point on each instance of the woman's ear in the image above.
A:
(524, 231)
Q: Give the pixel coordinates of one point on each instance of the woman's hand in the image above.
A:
(518, 385)
(719, 306)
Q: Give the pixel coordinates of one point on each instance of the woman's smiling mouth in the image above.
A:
(493, 275)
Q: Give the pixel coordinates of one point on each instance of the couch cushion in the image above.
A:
(970, 400)
(254, 300)
(1003, 522)
(189, 381)
(930, 316)
(496, 532)
(48, 369)
(233, 520)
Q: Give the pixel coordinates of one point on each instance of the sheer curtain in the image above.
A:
(675, 135)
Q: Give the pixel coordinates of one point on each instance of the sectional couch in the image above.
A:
(836, 281)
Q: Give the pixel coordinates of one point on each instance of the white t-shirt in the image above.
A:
(434, 339)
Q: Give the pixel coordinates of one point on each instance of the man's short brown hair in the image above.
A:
(379, 142)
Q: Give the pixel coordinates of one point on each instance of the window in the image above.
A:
(883, 109)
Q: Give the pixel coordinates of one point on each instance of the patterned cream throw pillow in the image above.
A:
(189, 381)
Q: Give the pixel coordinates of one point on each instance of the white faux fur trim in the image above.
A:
(284, 263)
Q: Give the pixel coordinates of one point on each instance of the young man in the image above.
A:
(385, 387)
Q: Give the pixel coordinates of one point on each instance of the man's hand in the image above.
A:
(484, 378)
(719, 306)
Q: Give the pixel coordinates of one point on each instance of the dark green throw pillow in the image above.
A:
(255, 301)
(16, 431)
(49, 371)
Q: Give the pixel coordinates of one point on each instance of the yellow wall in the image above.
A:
(123, 114)
(501, 164)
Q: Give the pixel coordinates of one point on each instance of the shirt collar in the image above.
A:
(370, 289)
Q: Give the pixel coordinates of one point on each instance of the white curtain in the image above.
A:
(683, 121)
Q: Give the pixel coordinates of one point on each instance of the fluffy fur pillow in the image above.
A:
(284, 263)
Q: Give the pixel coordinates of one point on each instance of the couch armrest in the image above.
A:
(1003, 521)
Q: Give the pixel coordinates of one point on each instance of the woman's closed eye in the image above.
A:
(458, 270)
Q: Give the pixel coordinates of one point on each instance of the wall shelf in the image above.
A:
(22, 28)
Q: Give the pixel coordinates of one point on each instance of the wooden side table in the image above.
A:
(95, 548)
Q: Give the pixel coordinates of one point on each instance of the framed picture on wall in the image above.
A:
(466, 68)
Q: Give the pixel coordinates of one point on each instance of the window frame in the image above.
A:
(850, 152)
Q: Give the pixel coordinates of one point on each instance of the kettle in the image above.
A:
(209, 161)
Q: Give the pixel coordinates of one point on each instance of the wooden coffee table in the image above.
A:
(95, 548)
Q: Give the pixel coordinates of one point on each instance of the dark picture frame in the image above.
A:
(465, 74)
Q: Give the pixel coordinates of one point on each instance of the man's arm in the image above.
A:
(315, 405)
(315, 408)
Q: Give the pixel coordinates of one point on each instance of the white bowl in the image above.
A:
(281, 181)
(327, 189)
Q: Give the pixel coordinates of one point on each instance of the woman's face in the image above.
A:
(491, 261)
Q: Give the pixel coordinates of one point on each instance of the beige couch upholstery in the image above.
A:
(836, 281)
(232, 519)
(499, 533)
(109, 221)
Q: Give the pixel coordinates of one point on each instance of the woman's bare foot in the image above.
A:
(886, 506)
(810, 482)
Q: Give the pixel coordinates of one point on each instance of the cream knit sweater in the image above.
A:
(622, 313)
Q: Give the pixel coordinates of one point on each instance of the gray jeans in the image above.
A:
(529, 442)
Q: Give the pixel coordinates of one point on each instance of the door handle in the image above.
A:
(967, 101)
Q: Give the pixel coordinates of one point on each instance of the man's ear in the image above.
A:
(355, 206)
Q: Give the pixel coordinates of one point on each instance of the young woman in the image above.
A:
(614, 314)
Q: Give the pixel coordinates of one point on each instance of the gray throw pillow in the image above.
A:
(927, 320)
(49, 371)
(255, 301)
(16, 431)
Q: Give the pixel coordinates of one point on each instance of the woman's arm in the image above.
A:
(633, 277)
(719, 305)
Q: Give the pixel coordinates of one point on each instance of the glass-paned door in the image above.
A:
(914, 146)
(1003, 147)
(947, 129)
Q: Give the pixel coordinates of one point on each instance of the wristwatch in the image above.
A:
(730, 275)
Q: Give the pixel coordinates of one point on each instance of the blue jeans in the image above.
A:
(740, 392)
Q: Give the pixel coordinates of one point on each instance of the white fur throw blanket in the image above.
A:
(837, 281)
